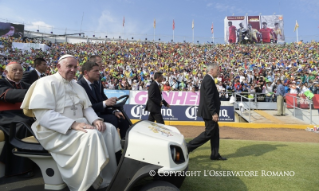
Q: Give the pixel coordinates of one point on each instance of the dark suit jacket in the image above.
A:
(97, 104)
(9, 94)
(99, 83)
(30, 77)
(209, 103)
(154, 99)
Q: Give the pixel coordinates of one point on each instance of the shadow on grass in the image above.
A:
(254, 150)
(211, 176)
(251, 150)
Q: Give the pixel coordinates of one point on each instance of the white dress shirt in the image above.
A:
(39, 74)
(89, 83)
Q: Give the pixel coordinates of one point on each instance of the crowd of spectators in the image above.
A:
(245, 69)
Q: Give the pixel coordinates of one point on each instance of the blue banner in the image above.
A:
(117, 93)
(178, 113)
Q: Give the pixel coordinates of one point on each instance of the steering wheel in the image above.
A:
(121, 101)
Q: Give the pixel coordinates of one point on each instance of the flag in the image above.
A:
(173, 24)
(123, 21)
(193, 24)
(212, 28)
(154, 24)
(296, 26)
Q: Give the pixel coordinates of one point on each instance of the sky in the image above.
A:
(105, 17)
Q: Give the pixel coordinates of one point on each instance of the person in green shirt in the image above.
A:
(182, 85)
(312, 77)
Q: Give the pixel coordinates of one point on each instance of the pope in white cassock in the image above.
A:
(82, 145)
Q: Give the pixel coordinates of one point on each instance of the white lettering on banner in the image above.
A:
(138, 111)
(172, 98)
(223, 113)
(191, 112)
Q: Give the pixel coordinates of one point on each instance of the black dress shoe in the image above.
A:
(27, 175)
(218, 158)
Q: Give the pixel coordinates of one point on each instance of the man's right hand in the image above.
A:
(81, 126)
(215, 117)
(111, 101)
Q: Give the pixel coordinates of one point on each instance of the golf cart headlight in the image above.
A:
(173, 152)
(177, 154)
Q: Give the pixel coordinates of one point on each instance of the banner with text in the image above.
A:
(178, 113)
(171, 97)
(184, 106)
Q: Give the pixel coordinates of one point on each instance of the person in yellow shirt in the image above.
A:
(278, 32)
(253, 34)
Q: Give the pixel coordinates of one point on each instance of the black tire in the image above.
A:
(159, 186)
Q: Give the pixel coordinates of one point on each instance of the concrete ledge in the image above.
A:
(233, 124)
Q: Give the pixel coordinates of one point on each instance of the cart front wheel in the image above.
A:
(159, 186)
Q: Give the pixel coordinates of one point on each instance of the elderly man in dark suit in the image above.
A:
(100, 103)
(40, 68)
(155, 100)
(12, 93)
(208, 109)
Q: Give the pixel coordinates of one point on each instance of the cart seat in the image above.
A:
(30, 139)
(30, 147)
(2, 136)
(2, 141)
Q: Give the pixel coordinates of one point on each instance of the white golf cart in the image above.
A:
(154, 157)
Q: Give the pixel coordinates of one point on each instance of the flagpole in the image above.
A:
(297, 34)
(213, 38)
(122, 37)
(81, 22)
(154, 35)
(173, 35)
(154, 26)
(193, 35)
(212, 30)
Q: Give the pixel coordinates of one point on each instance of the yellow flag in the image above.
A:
(296, 26)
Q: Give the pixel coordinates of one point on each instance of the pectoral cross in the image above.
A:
(74, 108)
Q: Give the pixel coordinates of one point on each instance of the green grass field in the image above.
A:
(260, 156)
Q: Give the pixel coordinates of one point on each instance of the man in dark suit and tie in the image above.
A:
(155, 100)
(100, 103)
(97, 59)
(40, 68)
(209, 106)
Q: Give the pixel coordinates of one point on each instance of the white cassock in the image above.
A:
(81, 157)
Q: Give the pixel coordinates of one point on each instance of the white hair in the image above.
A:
(9, 66)
(211, 65)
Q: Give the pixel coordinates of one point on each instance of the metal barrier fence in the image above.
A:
(260, 98)
(297, 100)
(241, 108)
(288, 104)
